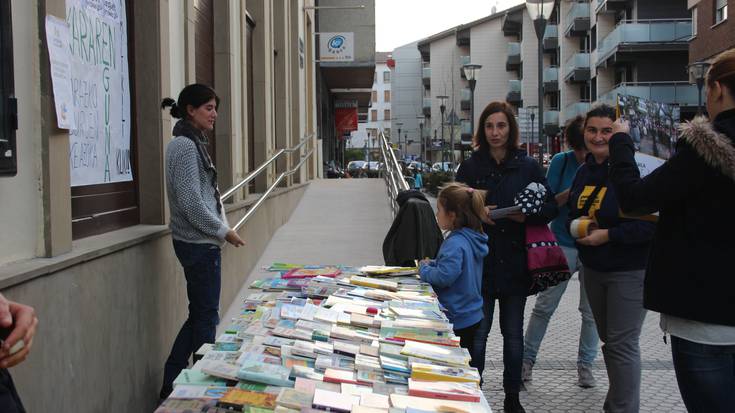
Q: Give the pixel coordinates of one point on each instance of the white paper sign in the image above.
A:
(647, 163)
(337, 47)
(57, 38)
(100, 139)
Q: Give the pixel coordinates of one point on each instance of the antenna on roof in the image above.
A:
(494, 9)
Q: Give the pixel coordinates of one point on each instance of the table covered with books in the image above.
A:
(331, 338)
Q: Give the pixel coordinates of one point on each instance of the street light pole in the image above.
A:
(699, 71)
(540, 11)
(399, 124)
(471, 71)
(442, 108)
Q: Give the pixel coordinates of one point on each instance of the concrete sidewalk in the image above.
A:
(338, 221)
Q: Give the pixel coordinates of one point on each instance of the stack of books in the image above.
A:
(333, 339)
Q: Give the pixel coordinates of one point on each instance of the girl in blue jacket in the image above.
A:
(456, 273)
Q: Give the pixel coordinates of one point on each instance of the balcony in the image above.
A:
(513, 23)
(575, 109)
(611, 6)
(679, 93)
(551, 122)
(514, 93)
(577, 20)
(465, 99)
(466, 127)
(551, 38)
(577, 68)
(463, 60)
(513, 62)
(551, 79)
(645, 36)
(427, 107)
(426, 76)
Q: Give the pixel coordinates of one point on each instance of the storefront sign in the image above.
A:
(336, 47)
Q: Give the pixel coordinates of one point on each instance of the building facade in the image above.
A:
(713, 29)
(592, 51)
(379, 113)
(407, 99)
(94, 254)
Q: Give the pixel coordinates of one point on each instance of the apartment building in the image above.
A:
(407, 100)
(713, 28)
(379, 112)
(592, 51)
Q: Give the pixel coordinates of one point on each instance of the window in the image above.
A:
(374, 97)
(374, 115)
(593, 38)
(386, 77)
(694, 21)
(8, 116)
(720, 10)
(386, 114)
(386, 96)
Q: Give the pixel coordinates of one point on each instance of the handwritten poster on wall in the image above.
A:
(99, 149)
(57, 39)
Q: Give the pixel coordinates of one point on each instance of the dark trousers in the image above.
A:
(202, 268)
(511, 327)
(706, 375)
(467, 340)
(9, 399)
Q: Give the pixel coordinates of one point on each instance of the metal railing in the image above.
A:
(644, 31)
(263, 167)
(394, 180)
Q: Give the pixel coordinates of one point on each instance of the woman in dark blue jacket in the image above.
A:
(502, 169)
(614, 257)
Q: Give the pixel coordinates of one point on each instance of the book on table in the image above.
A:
(468, 392)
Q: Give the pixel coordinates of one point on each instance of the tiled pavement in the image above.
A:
(554, 388)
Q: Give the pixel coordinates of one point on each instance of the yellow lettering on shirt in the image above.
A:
(586, 192)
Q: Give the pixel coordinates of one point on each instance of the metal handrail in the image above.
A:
(394, 180)
(270, 189)
(252, 175)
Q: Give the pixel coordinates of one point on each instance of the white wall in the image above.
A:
(358, 137)
(407, 98)
(21, 199)
(445, 80)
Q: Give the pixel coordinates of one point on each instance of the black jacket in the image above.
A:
(505, 269)
(689, 272)
(630, 239)
(415, 234)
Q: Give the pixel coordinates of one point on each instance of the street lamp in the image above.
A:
(442, 108)
(699, 71)
(421, 136)
(399, 124)
(540, 11)
(471, 71)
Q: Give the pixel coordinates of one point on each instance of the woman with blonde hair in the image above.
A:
(688, 279)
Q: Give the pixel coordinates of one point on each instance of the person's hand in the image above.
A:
(621, 125)
(518, 217)
(425, 261)
(234, 239)
(23, 321)
(595, 238)
(486, 219)
(562, 197)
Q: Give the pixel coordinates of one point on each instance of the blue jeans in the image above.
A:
(706, 375)
(511, 327)
(546, 303)
(202, 268)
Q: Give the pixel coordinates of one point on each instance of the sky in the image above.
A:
(399, 22)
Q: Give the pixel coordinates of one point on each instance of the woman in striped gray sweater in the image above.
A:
(198, 224)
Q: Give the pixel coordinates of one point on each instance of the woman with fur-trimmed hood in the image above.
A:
(690, 278)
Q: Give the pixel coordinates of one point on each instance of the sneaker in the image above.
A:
(527, 370)
(512, 404)
(586, 379)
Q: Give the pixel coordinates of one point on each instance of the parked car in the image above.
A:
(442, 167)
(354, 168)
(371, 169)
(416, 165)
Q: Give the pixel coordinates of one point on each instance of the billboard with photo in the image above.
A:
(653, 125)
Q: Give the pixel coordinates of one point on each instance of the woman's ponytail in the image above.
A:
(175, 111)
